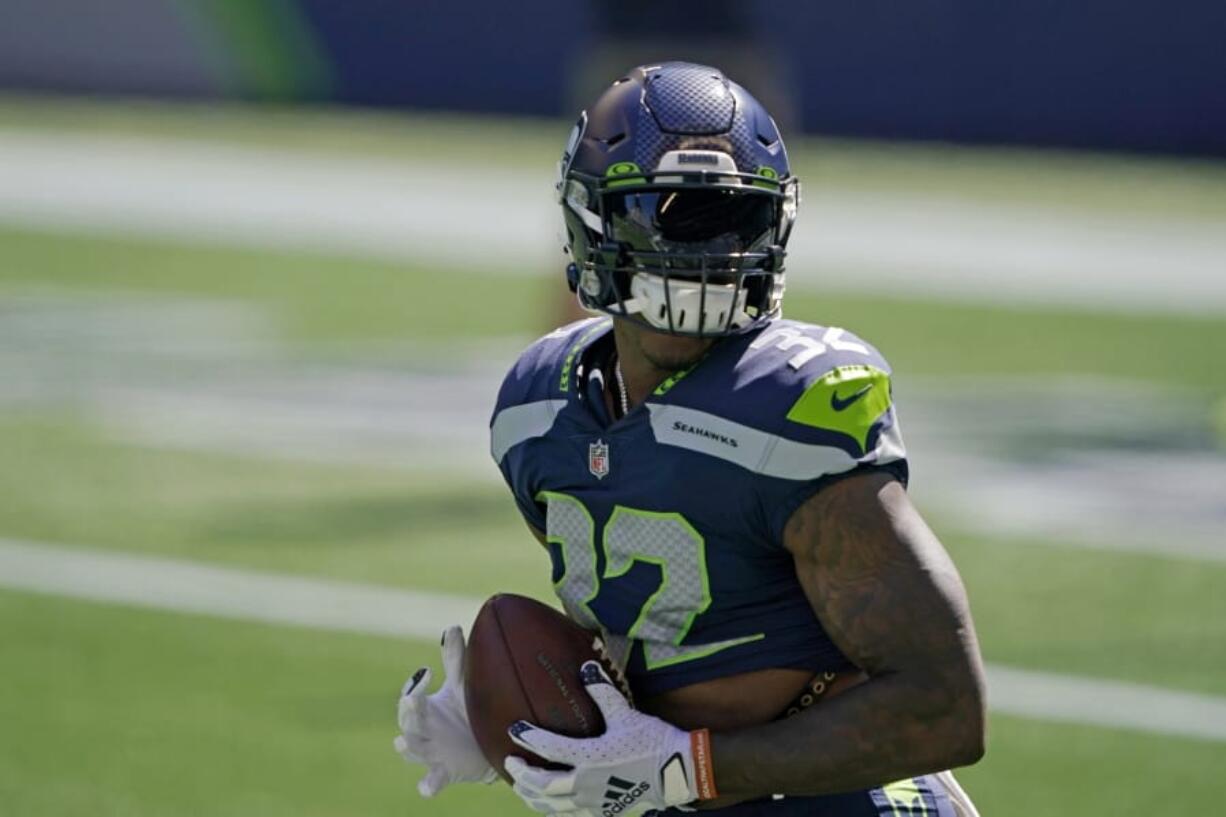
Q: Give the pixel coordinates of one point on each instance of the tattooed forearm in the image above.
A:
(890, 598)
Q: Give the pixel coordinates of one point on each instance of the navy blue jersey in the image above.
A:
(665, 528)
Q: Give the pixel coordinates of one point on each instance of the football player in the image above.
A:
(722, 494)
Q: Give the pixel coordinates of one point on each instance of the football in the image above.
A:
(523, 663)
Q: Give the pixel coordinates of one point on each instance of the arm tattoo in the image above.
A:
(888, 595)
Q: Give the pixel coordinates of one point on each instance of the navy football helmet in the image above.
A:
(678, 201)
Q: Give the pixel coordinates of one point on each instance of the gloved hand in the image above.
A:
(434, 729)
(639, 762)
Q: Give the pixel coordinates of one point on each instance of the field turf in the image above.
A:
(130, 712)
(122, 712)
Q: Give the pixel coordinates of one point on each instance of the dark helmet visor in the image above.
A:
(715, 220)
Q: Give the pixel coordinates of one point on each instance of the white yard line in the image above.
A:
(1114, 704)
(498, 217)
(193, 587)
(190, 587)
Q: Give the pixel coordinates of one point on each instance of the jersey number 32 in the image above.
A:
(666, 540)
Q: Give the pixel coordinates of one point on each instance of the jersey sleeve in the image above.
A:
(508, 425)
(835, 416)
(533, 392)
(532, 513)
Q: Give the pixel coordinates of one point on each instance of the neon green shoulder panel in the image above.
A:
(848, 399)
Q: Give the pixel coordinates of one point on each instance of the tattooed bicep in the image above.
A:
(876, 576)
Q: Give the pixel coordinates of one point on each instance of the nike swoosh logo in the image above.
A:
(840, 403)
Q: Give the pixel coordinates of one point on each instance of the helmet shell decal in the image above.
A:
(691, 99)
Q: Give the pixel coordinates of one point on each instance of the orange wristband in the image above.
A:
(704, 770)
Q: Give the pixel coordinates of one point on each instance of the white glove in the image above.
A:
(639, 763)
(434, 729)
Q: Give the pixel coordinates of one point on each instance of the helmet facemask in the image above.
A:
(689, 253)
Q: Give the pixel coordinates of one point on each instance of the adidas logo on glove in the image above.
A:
(620, 795)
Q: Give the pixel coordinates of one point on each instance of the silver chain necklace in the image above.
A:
(622, 396)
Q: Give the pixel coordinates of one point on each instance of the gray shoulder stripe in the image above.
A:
(890, 447)
(516, 424)
(755, 450)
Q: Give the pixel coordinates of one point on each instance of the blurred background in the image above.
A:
(264, 262)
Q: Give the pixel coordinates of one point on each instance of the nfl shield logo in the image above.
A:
(598, 459)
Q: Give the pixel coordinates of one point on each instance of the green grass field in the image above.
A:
(318, 299)
(123, 712)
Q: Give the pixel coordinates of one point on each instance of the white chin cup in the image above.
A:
(691, 313)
